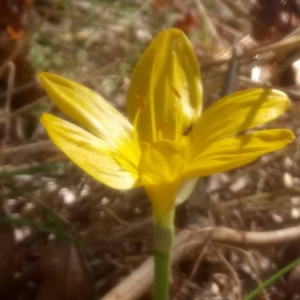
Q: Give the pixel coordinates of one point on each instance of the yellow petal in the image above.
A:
(238, 112)
(233, 152)
(165, 93)
(160, 171)
(90, 110)
(95, 156)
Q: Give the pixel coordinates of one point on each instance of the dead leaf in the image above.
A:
(12, 17)
(188, 21)
(64, 275)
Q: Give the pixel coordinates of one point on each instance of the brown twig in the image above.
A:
(195, 266)
(19, 89)
(140, 280)
(283, 45)
(240, 12)
(10, 88)
(232, 271)
(29, 148)
(252, 266)
(210, 26)
(23, 109)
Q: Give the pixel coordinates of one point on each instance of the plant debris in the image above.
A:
(65, 236)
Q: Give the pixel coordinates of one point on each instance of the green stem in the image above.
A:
(163, 242)
(161, 276)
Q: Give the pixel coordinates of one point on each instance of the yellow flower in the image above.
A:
(167, 142)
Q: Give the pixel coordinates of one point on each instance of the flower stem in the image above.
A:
(163, 242)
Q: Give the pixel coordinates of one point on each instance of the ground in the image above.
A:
(65, 236)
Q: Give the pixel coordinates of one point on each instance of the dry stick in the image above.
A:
(232, 271)
(127, 230)
(209, 24)
(240, 12)
(114, 216)
(227, 28)
(294, 34)
(195, 266)
(48, 208)
(200, 257)
(10, 88)
(29, 148)
(248, 199)
(253, 268)
(23, 109)
(19, 89)
(140, 280)
(144, 6)
(283, 45)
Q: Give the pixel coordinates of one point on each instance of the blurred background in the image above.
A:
(64, 236)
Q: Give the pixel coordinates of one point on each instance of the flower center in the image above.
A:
(168, 123)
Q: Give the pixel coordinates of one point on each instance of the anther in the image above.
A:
(140, 102)
(175, 91)
(145, 145)
(162, 125)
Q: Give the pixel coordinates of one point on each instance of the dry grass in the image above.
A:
(50, 202)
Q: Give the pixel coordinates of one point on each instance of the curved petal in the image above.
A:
(160, 171)
(165, 93)
(95, 156)
(186, 188)
(90, 110)
(236, 113)
(233, 152)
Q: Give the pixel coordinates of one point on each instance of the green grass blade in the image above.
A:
(273, 278)
(30, 170)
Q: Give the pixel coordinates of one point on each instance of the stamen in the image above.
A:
(160, 127)
(175, 91)
(135, 122)
(177, 133)
(140, 102)
(153, 121)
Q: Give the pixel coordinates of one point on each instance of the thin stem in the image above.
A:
(163, 242)
(161, 276)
